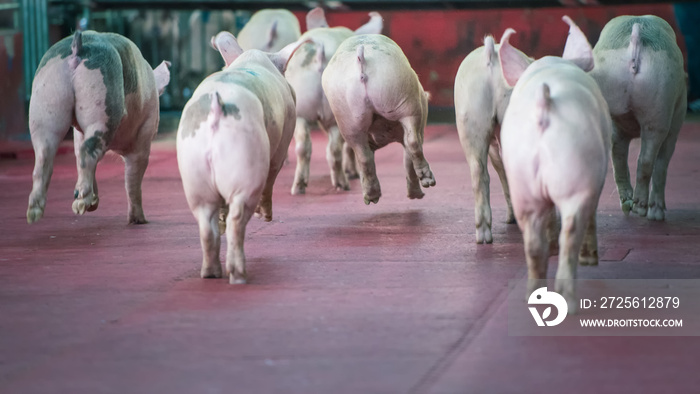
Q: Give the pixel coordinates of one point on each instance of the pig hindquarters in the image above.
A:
(555, 139)
(481, 98)
(101, 85)
(304, 73)
(639, 69)
(376, 98)
(232, 141)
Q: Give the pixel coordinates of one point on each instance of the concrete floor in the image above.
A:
(342, 297)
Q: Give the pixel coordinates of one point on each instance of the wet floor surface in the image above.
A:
(342, 297)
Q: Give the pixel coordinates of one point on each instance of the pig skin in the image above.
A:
(555, 139)
(481, 98)
(639, 69)
(101, 85)
(377, 99)
(231, 144)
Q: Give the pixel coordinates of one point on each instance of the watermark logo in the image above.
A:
(543, 297)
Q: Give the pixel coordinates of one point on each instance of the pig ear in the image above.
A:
(374, 26)
(228, 47)
(577, 48)
(162, 76)
(281, 58)
(316, 18)
(513, 62)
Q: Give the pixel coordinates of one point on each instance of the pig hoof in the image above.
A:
(426, 178)
(298, 188)
(588, 260)
(341, 188)
(34, 214)
(655, 213)
(639, 209)
(415, 194)
(264, 213)
(79, 207)
(352, 175)
(236, 279)
(93, 204)
(137, 220)
(627, 206)
(511, 219)
(484, 236)
(213, 271)
(371, 200)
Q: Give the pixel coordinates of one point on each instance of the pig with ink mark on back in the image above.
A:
(377, 99)
(556, 139)
(101, 85)
(481, 99)
(304, 74)
(639, 69)
(231, 143)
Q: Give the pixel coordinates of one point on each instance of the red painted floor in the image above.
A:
(343, 297)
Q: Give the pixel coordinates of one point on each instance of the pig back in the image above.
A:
(658, 74)
(571, 151)
(256, 33)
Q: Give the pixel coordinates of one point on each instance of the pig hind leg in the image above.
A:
(239, 214)
(46, 134)
(334, 156)
(302, 139)
(355, 133)
(534, 226)
(413, 141)
(135, 164)
(652, 138)
(575, 218)
(497, 162)
(620, 154)
(412, 181)
(264, 208)
(208, 220)
(476, 148)
(349, 164)
(657, 198)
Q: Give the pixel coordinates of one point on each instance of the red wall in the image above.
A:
(436, 42)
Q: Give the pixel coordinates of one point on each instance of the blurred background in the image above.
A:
(435, 36)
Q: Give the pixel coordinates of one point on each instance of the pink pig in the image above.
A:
(556, 139)
(231, 143)
(101, 85)
(481, 99)
(377, 99)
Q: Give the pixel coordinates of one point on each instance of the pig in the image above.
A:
(481, 99)
(376, 98)
(639, 69)
(555, 139)
(231, 143)
(101, 85)
(269, 30)
(304, 73)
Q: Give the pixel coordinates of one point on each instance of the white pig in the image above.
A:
(555, 139)
(639, 69)
(101, 85)
(231, 143)
(269, 30)
(304, 74)
(481, 99)
(377, 99)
